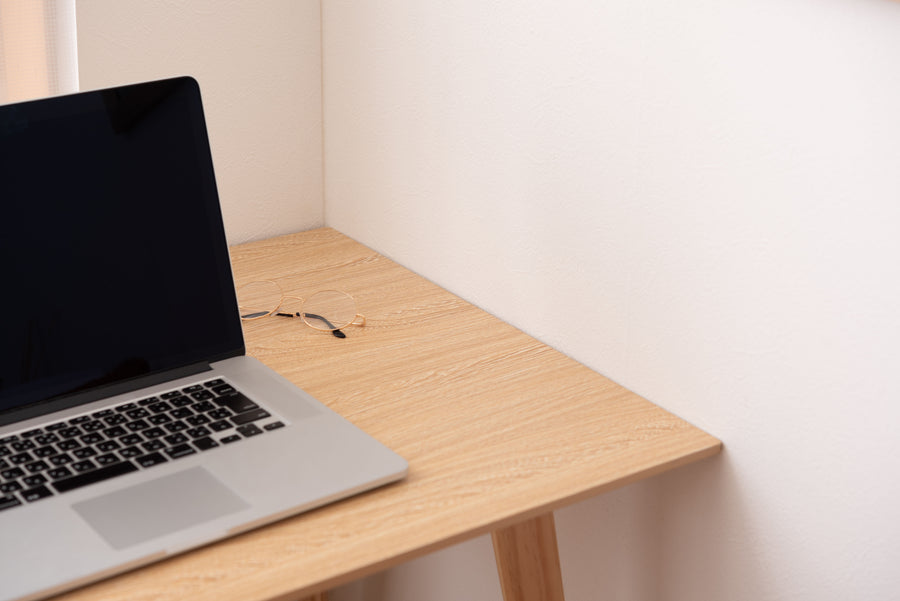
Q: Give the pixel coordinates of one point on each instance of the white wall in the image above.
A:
(259, 68)
(38, 50)
(699, 200)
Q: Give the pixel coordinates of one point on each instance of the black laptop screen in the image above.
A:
(113, 260)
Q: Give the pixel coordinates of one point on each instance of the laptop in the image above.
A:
(133, 426)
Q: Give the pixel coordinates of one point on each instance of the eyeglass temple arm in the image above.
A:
(335, 332)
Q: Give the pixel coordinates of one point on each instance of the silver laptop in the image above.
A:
(132, 424)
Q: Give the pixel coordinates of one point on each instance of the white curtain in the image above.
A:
(38, 53)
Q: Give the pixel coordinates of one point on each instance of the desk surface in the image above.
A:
(496, 427)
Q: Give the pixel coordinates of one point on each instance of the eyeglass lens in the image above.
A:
(324, 310)
(259, 299)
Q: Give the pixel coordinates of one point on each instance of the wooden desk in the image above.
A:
(499, 430)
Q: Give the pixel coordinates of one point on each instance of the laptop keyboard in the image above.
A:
(66, 455)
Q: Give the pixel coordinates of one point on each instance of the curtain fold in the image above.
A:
(38, 50)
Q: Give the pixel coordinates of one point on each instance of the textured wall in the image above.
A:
(259, 68)
(38, 54)
(699, 200)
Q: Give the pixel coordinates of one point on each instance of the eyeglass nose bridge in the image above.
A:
(312, 310)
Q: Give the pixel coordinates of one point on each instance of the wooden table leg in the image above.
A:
(528, 560)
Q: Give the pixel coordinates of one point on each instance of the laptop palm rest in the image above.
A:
(159, 507)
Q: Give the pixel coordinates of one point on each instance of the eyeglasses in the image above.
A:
(326, 310)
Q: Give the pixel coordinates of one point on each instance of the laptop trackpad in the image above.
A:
(162, 506)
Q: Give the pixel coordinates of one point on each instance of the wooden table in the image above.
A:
(499, 430)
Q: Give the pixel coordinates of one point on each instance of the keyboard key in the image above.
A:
(9, 501)
(139, 413)
(131, 439)
(137, 426)
(182, 413)
(59, 472)
(36, 494)
(151, 459)
(20, 458)
(93, 426)
(154, 433)
(45, 439)
(219, 426)
(32, 481)
(237, 402)
(205, 444)
(107, 459)
(12, 473)
(108, 446)
(160, 407)
(153, 445)
(92, 438)
(115, 420)
(249, 430)
(68, 445)
(98, 475)
(197, 420)
(9, 487)
(129, 452)
(71, 432)
(61, 459)
(180, 451)
(47, 451)
(203, 407)
(249, 416)
(37, 466)
(22, 445)
(223, 389)
(83, 466)
(176, 439)
(198, 432)
(273, 426)
(181, 401)
(221, 413)
(176, 426)
(84, 452)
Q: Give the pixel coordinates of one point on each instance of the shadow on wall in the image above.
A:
(464, 571)
(709, 545)
(608, 545)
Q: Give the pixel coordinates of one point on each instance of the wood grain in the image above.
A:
(497, 428)
(528, 560)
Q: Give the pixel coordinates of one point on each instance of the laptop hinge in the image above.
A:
(100, 392)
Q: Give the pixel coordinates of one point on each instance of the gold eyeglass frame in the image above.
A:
(358, 320)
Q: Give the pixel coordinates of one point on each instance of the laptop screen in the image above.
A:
(113, 259)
